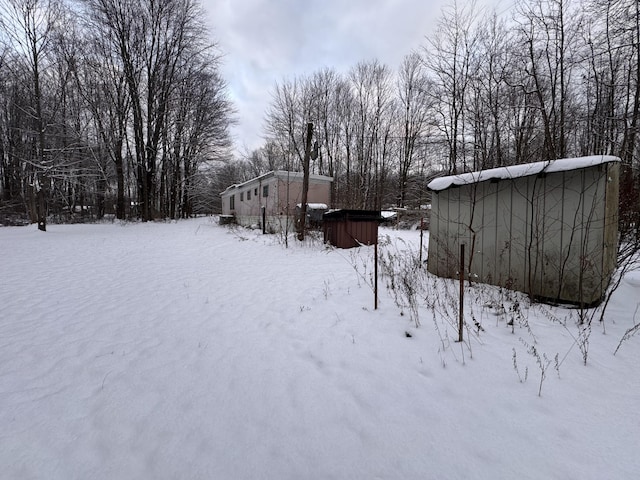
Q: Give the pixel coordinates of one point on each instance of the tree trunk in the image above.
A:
(41, 209)
(305, 182)
(120, 199)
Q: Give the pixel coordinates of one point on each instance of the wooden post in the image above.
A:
(264, 219)
(305, 181)
(461, 309)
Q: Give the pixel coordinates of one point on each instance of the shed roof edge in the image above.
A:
(518, 171)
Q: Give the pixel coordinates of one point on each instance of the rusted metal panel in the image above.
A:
(351, 228)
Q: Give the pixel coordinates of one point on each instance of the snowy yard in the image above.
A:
(189, 350)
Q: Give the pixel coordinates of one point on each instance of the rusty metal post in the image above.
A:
(461, 309)
(421, 235)
(375, 275)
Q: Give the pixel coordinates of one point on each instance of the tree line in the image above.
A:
(108, 106)
(545, 79)
(118, 106)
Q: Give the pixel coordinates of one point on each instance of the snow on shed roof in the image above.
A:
(515, 171)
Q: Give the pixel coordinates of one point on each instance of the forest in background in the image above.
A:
(118, 106)
(108, 106)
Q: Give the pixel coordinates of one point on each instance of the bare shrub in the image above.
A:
(630, 332)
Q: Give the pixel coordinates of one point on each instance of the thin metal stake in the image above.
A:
(461, 309)
(375, 275)
(421, 235)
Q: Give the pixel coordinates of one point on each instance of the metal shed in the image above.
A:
(351, 228)
(548, 229)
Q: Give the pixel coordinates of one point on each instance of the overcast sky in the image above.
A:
(266, 41)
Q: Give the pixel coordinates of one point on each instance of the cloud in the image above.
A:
(265, 42)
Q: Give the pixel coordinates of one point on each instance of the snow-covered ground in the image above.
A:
(190, 350)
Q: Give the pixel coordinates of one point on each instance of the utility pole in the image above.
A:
(305, 181)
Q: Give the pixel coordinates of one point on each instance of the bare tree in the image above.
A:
(101, 81)
(162, 50)
(448, 59)
(324, 91)
(29, 27)
(489, 110)
(372, 107)
(414, 102)
(285, 121)
(629, 15)
(197, 133)
(548, 31)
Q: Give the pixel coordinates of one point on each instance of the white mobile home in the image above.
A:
(547, 228)
(278, 192)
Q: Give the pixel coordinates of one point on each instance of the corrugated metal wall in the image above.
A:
(348, 233)
(551, 235)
